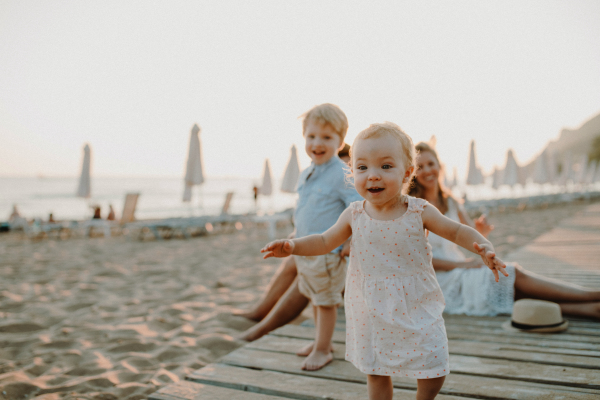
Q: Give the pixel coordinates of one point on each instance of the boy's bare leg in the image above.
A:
(306, 350)
(427, 389)
(291, 304)
(280, 283)
(321, 352)
(380, 387)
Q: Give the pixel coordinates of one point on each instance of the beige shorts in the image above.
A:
(322, 278)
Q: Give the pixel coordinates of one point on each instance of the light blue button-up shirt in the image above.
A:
(324, 194)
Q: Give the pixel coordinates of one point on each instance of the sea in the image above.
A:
(161, 197)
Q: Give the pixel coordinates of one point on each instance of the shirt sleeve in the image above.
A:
(347, 192)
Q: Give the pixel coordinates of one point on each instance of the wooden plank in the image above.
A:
(481, 387)
(185, 390)
(574, 323)
(288, 385)
(543, 340)
(510, 364)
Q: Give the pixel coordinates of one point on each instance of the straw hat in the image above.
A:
(536, 316)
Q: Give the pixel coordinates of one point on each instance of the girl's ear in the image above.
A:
(408, 173)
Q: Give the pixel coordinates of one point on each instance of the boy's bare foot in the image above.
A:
(306, 350)
(316, 360)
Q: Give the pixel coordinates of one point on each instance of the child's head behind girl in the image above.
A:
(382, 159)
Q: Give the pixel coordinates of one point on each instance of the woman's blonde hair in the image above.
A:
(416, 189)
(327, 114)
(393, 130)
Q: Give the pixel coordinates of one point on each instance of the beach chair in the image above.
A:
(129, 207)
(227, 203)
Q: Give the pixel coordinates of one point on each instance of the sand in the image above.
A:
(117, 318)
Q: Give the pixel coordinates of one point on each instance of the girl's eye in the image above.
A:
(386, 166)
(362, 167)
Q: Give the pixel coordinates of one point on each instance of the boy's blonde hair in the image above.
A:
(393, 130)
(327, 114)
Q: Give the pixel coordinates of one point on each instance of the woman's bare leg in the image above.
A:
(289, 306)
(281, 281)
(573, 299)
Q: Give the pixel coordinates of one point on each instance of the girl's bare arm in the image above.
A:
(463, 236)
(313, 245)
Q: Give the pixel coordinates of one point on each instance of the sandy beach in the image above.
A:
(117, 318)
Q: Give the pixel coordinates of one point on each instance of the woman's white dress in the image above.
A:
(471, 291)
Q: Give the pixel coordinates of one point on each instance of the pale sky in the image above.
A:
(131, 78)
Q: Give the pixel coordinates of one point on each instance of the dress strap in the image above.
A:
(416, 205)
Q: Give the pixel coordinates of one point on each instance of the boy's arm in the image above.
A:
(313, 245)
(464, 236)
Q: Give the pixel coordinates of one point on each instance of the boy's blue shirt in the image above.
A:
(323, 195)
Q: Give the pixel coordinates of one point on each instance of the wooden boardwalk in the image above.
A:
(486, 362)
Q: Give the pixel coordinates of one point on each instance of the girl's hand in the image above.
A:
(482, 225)
(489, 258)
(278, 248)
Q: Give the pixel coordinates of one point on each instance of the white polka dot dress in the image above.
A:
(393, 302)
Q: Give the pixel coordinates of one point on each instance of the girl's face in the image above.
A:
(378, 169)
(428, 170)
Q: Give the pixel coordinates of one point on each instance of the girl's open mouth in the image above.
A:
(375, 190)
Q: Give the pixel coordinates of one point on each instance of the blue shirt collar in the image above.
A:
(325, 165)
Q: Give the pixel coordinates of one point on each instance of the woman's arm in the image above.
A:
(481, 224)
(313, 245)
(463, 236)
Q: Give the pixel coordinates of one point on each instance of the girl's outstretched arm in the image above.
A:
(463, 236)
(313, 245)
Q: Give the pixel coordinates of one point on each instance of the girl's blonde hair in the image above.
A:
(327, 114)
(416, 189)
(393, 130)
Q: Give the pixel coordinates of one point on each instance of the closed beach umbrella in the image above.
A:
(551, 167)
(474, 176)
(496, 178)
(565, 173)
(292, 173)
(540, 171)
(267, 186)
(455, 178)
(511, 170)
(84, 189)
(582, 170)
(590, 176)
(193, 171)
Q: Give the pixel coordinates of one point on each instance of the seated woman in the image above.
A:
(465, 282)
(468, 286)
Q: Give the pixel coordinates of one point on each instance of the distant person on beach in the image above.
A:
(111, 213)
(51, 219)
(97, 213)
(323, 195)
(391, 288)
(255, 191)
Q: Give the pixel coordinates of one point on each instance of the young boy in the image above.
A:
(323, 195)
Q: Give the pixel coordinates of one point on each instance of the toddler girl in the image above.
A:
(394, 324)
